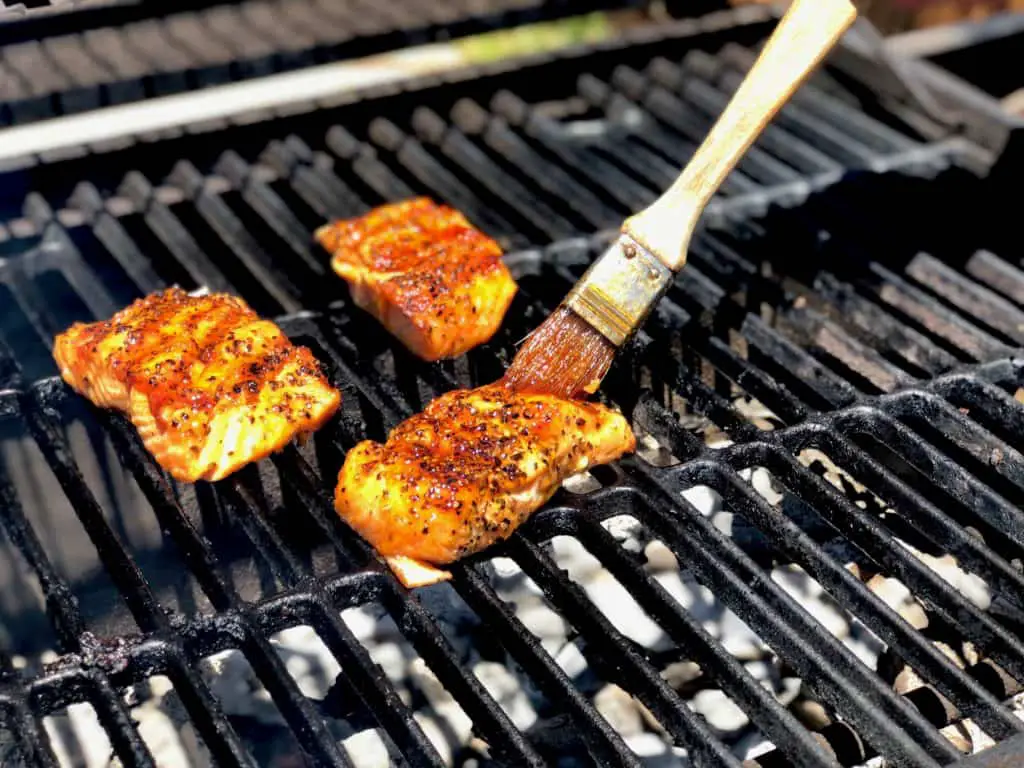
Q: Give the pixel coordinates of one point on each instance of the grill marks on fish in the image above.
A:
(427, 275)
(468, 471)
(209, 385)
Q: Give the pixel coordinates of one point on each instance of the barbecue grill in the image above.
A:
(815, 558)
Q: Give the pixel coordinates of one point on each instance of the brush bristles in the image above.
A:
(565, 357)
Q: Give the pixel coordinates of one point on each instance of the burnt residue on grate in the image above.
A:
(814, 559)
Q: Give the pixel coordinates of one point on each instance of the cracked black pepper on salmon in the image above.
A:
(209, 385)
(468, 471)
(428, 276)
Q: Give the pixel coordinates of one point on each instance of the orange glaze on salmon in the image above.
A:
(467, 471)
(209, 385)
(432, 279)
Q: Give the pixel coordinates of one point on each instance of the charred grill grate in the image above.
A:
(938, 451)
(842, 375)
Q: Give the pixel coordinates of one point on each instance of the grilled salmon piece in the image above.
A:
(428, 276)
(209, 385)
(467, 471)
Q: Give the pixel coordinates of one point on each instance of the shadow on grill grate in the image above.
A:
(818, 548)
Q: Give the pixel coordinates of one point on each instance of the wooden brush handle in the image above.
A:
(803, 37)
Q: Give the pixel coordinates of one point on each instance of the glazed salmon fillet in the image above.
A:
(209, 385)
(427, 275)
(467, 471)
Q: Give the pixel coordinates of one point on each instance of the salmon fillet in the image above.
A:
(427, 275)
(209, 385)
(467, 471)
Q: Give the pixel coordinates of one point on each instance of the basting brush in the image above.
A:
(570, 352)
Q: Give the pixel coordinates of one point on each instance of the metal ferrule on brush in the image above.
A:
(620, 289)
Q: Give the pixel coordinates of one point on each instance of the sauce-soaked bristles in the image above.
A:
(565, 357)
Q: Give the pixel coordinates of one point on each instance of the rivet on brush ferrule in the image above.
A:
(619, 290)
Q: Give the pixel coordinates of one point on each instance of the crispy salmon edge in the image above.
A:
(416, 573)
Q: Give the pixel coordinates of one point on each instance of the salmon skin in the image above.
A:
(428, 276)
(467, 471)
(209, 385)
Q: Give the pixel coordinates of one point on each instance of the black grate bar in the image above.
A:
(28, 300)
(933, 415)
(988, 306)
(693, 79)
(1000, 416)
(299, 478)
(11, 378)
(317, 187)
(234, 233)
(867, 366)
(377, 693)
(265, 201)
(787, 355)
(43, 423)
(939, 528)
(905, 300)
(827, 107)
(888, 722)
(243, 496)
(816, 130)
(368, 167)
(495, 180)
(670, 113)
(505, 740)
(306, 723)
(116, 721)
(600, 189)
(775, 722)
(205, 711)
(966, 693)
(655, 419)
(686, 727)
(55, 240)
(60, 601)
(757, 168)
(879, 544)
(883, 329)
(581, 200)
(87, 199)
(28, 734)
(170, 230)
(992, 271)
(601, 739)
(600, 164)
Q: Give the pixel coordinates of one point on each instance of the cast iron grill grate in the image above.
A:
(887, 429)
(841, 375)
(124, 52)
(561, 145)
